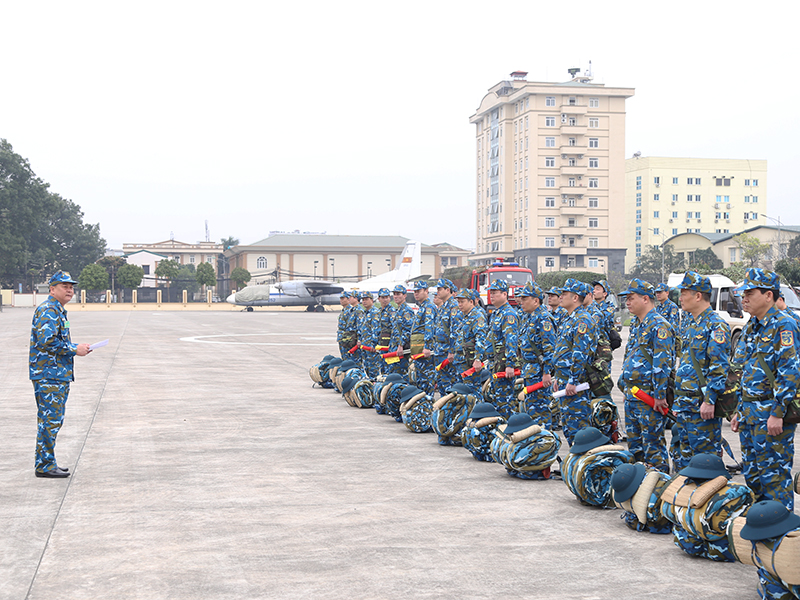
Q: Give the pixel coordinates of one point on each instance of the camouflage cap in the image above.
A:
(61, 277)
(467, 294)
(446, 283)
(399, 289)
(527, 291)
(420, 285)
(345, 295)
(574, 286)
(602, 283)
(662, 287)
(384, 292)
(694, 281)
(501, 285)
(760, 279)
(641, 287)
(588, 289)
(366, 295)
(554, 291)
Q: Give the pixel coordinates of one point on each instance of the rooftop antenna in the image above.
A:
(208, 235)
(573, 71)
(172, 236)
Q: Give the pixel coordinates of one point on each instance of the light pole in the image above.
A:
(369, 268)
(388, 264)
(663, 241)
(316, 262)
(778, 221)
(333, 270)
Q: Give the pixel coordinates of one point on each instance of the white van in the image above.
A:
(724, 301)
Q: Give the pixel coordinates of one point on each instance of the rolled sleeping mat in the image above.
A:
(780, 556)
(477, 436)
(391, 398)
(642, 504)
(319, 372)
(416, 409)
(704, 510)
(450, 414)
(358, 392)
(343, 370)
(527, 453)
(588, 475)
(384, 381)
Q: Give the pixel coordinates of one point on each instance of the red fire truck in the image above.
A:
(511, 272)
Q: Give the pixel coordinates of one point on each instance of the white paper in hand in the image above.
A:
(98, 345)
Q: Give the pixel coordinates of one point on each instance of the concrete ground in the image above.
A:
(205, 466)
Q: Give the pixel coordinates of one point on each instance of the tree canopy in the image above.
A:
(205, 275)
(752, 250)
(229, 242)
(93, 277)
(649, 262)
(240, 276)
(130, 276)
(40, 232)
(167, 269)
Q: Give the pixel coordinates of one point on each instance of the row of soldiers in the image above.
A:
(561, 347)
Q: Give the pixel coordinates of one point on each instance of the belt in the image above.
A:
(749, 398)
(689, 393)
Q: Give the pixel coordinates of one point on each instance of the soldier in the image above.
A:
(341, 333)
(386, 318)
(770, 373)
(557, 312)
(667, 308)
(401, 331)
(536, 344)
(781, 306)
(701, 376)
(575, 345)
(447, 318)
(503, 331)
(647, 365)
(422, 342)
(369, 331)
(604, 307)
(471, 350)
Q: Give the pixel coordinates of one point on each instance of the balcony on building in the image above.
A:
(578, 208)
(573, 130)
(577, 150)
(574, 170)
(567, 250)
(577, 190)
(573, 109)
(576, 231)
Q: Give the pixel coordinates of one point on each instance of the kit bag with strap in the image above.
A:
(726, 402)
(614, 338)
(792, 415)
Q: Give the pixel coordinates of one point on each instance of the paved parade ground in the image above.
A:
(205, 466)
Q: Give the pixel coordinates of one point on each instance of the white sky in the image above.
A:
(352, 117)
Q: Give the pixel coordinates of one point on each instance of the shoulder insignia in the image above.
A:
(663, 333)
(720, 337)
(511, 319)
(547, 326)
(787, 338)
(582, 328)
(454, 312)
(408, 316)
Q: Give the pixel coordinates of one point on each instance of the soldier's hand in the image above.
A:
(547, 380)
(735, 422)
(82, 349)
(510, 373)
(707, 410)
(426, 353)
(400, 350)
(570, 389)
(661, 405)
(477, 365)
(774, 425)
(451, 356)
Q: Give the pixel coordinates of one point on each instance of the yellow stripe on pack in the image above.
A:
(391, 361)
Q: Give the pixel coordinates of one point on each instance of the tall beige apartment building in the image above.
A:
(550, 169)
(665, 197)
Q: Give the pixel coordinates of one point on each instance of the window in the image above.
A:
(754, 199)
(689, 214)
(550, 101)
(550, 222)
(718, 215)
(697, 215)
(549, 182)
(697, 181)
(570, 261)
(573, 121)
(573, 101)
(550, 142)
(690, 180)
(746, 182)
(571, 202)
(746, 199)
(733, 255)
(572, 162)
(638, 215)
(594, 163)
(656, 231)
(755, 183)
(594, 242)
(655, 214)
(674, 181)
(549, 121)
(674, 214)
(638, 232)
(727, 215)
(697, 198)
(657, 180)
(571, 222)
(638, 182)
(261, 262)
(594, 182)
(594, 122)
(549, 202)
(146, 269)
(549, 261)
(593, 262)
(674, 197)
(549, 242)
(689, 198)
(571, 182)
(638, 198)
(594, 142)
(656, 197)
(593, 203)
(593, 223)
(675, 231)
(191, 259)
(725, 181)
(549, 161)
(594, 102)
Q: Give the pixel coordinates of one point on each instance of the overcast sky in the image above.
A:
(352, 117)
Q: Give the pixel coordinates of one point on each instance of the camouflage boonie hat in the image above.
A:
(384, 292)
(399, 289)
(695, 281)
(420, 285)
(483, 410)
(643, 288)
(760, 279)
(345, 295)
(61, 277)
(574, 286)
(662, 287)
(446, 283)
(501, 285)
(602, 283)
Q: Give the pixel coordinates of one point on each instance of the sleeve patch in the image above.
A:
(511, 320)
(663, 333)
(409, 316)
(582, 328)
(720, 337)
(547, 326)
(787, 338)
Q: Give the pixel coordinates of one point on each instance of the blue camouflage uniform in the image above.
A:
(575, 344)
(502, 340)
(668, 309)
(385, 327)
(447, 319)
(767, 460)
(558, 314)
(471, 342)
(705, 347)
(341, 331)
(647, 365)
(369, 332)
(604, 309)
(401, 334)
(51, 371)
(422, 336)
(536, 344)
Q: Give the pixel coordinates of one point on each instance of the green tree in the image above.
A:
(112, 265)
(649, 262)
(705, 261)
(93, 277)
(794, 248)
(789, 269)
(205, 275)
(752, 250)
(229, 242)
(167, 269)
(40, 232)
(240, 276)
(735, 272)
(186, 279)
(130, 276)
